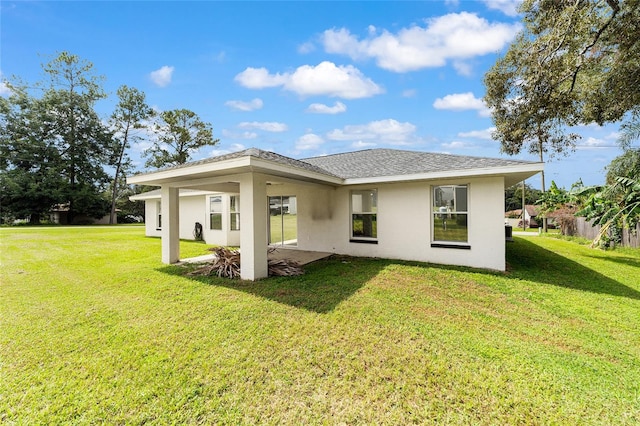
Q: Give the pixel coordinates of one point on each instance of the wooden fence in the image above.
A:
(585, 230)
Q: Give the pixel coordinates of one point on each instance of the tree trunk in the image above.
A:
(115, 178)
(34, 219)
(544, 220)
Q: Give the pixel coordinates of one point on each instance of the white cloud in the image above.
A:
(456, 145)
(455, 36)
(613, 136)
(259, 78)
(267, 126)
(462, 102)
(307, 47)
(594, 143)
(409, 93)
(508, 7)
(363, 145)
(309, 141)
(478, 134)
(244, 135)
(162, 77)
(4, 89)
(463, 68)
(387, 131)
(235, 147)
(323, 79)
(337, 108)
(252, 105)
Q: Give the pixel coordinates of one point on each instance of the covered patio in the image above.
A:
(248, 173)
(373, 203)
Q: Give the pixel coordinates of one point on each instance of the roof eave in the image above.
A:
(245, 164)
(519, 170)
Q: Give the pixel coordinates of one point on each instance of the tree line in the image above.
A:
(573, 63)
(55, 149)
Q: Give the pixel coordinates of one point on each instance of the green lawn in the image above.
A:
(94, 329)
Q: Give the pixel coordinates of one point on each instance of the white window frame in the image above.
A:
(158, 215)
(373, 212)
(215, 212)
(436, 211)
(234, 212)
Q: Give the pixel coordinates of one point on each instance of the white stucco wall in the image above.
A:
(404, 222)
(225, 236)
(151, 218)
(191, 211)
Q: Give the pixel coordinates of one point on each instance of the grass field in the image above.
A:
(94, 329)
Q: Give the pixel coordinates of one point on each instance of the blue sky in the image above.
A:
(298, 78)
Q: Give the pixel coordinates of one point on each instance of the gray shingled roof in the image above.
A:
(257, 153)
(392, 162)
(369, 163)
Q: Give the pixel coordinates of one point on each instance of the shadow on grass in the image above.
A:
(324, 285)
(532, 262)
(625, 260)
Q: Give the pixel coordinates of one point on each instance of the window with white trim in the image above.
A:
(234, 212)
(215, 213)
(364, 215)
(158, 215)
(450, 214)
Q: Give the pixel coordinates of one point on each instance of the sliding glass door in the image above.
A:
(283, 221)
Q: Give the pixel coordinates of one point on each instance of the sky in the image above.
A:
(300, 78)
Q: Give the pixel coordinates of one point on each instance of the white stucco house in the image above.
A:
(387, 203)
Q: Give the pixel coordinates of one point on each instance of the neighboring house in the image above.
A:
(385, 203)
(530, 214)
(60, 214)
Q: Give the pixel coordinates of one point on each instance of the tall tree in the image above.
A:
(83, 141)
(29, 160)
(513, 196)
(180, 132)
(130, 115)
(574, 62)
(625, 165)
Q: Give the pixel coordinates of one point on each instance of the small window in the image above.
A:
(215, 213)
(450, 214)
(159, 215)
(234, 212)
(364, 215)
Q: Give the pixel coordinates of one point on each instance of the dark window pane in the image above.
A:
(215, 221)
(364, 225)
(450, 227)
(235, 221)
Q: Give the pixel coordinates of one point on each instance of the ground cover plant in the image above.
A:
(94, 329)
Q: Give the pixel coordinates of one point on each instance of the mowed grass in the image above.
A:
(94, 329)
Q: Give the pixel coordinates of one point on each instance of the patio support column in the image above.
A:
(253, 227)
(170, 224)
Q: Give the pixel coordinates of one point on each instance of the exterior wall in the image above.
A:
(404, 222)
(151, 218)
(191, 211)
(225, 236)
